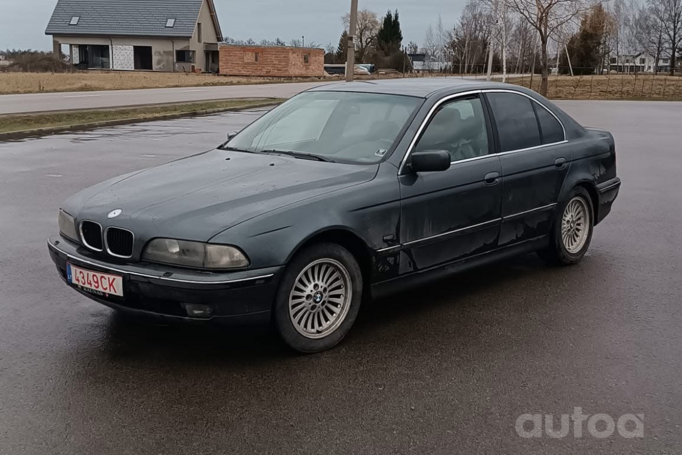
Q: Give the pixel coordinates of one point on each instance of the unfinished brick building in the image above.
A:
(271, 61)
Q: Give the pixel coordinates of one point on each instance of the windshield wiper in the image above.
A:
(301, 155)
(233, 149)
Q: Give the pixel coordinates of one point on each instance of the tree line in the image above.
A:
(521, 36)
(377, 41)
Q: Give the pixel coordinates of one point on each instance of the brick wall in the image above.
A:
(271, 61)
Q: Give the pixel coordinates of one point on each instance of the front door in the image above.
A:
(535, 159)
(453, 214)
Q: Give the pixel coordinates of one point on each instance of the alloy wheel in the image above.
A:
(575, 225)
(320, 298)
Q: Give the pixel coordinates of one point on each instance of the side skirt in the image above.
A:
(400, 284)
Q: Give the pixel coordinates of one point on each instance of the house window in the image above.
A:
(642, 61)
(199, 32)
(255, 56)
(613, 60)
(184, 56)
(170, 23)
(665, 61)
(74, 20)
(306, 58)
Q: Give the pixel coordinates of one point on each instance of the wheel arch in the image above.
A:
(346, 238)
(591, 189)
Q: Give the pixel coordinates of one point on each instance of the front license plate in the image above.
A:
(96, 283)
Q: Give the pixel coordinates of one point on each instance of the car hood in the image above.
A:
(198, 197)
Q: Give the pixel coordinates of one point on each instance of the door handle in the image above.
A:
(560, 163)
(492, 178)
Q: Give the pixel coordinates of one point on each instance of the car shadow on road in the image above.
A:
(448, 298)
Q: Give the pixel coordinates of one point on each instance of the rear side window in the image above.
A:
(552, 131)
(516, 123)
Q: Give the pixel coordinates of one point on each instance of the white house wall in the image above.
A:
(75, 54)
(123, 57)
(163, 50)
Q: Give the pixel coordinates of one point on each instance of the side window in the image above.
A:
(515, 120)
(459, 128)
(551, 129)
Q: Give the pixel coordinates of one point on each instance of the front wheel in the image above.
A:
(319, 298)
(572, 231)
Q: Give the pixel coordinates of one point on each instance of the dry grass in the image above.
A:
(616, 86)
(18, 83)
(611, 87)
(85, 118)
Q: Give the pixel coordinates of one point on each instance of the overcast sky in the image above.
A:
(23, 22)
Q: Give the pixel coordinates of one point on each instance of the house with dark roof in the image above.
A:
(152, 35)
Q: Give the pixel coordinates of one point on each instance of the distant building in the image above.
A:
(153, 35)
(271, 61)
(426, 63)
(638, 63)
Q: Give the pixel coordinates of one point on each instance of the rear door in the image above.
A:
(452, 214)
(534, 157)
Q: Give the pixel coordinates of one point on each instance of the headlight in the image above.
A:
(67, 226)
(194, 254)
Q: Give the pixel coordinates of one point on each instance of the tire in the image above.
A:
(570, 249)
(314, 309)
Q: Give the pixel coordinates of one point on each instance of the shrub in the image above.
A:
(39, 62)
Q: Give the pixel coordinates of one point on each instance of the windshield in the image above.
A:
(338, 126)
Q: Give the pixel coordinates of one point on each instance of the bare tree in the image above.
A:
(430, 47)
(470, 36)
(443, 41)
(647, 34)
(412, 48)
(367, 29)
(547, 16)
(669, 14)
(620, 36)
(520, 45)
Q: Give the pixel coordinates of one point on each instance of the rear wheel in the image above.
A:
(319, 298)
(572, 230)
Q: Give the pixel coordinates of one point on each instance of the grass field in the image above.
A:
(30, 123)
(18, 83)
(609, 87)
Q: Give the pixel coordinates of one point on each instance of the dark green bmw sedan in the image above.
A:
(341, 194)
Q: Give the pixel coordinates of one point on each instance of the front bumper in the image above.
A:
(163, 292)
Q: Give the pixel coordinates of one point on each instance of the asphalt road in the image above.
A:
(46, 102)
(440, 370)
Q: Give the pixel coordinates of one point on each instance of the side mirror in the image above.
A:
(430, 161)
(231, 136)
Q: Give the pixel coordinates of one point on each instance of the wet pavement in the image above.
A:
(443, 369)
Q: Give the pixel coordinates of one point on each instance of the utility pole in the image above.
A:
(502, 18)
(350, 64)
(491, 47)
(568, 57)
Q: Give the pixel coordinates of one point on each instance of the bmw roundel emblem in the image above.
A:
(114, 213)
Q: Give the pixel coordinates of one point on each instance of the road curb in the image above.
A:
(38, 132)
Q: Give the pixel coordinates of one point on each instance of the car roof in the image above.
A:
(418, 87)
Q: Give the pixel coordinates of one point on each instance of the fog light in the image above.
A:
(198, 311)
